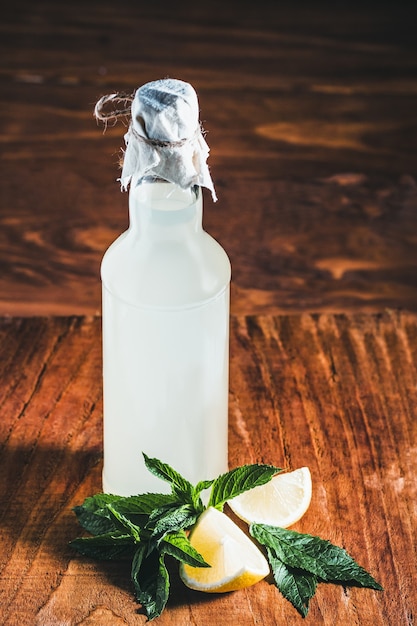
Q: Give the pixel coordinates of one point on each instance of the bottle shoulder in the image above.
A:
(165, 272)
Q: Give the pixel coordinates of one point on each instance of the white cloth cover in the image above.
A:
(164, 138)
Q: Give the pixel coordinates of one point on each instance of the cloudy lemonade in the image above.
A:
(165, 342)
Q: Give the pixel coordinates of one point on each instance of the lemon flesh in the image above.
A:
(235, 560)
(281, 502)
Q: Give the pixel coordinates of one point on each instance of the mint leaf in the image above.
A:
(151, 581)
(289, 547)
(93, 514)
(172, 518)
(314, 555)
(202, 485)
(105, 547)
(198, 489)
(143, 504)
(179, 485)
(239, 480)
(296, 586)
(177, 545)
(125, 523)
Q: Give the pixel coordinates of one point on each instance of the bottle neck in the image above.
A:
(162, 209)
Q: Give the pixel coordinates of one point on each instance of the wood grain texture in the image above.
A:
(334, 392)
(310, 110)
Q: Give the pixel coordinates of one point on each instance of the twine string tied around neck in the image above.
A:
(164, 137)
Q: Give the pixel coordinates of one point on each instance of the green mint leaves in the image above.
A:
(300, 561)
(147, 528)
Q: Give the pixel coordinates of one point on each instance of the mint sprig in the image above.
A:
(150, 527)
(150, 580)
(180, 486)
(299, 561)
(108, 546)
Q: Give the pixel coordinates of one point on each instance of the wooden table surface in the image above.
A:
(311, 116)
(334, 392)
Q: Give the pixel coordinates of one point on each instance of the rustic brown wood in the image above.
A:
(334, 392)
(310, 109)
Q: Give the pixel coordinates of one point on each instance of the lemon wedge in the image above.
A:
(281, 502)
(235, 560)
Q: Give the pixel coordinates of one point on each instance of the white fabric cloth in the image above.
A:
(164, 139)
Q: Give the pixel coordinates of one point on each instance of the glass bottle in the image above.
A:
(165, 342)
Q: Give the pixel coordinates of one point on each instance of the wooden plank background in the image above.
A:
(310, 110)
(335, 393)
